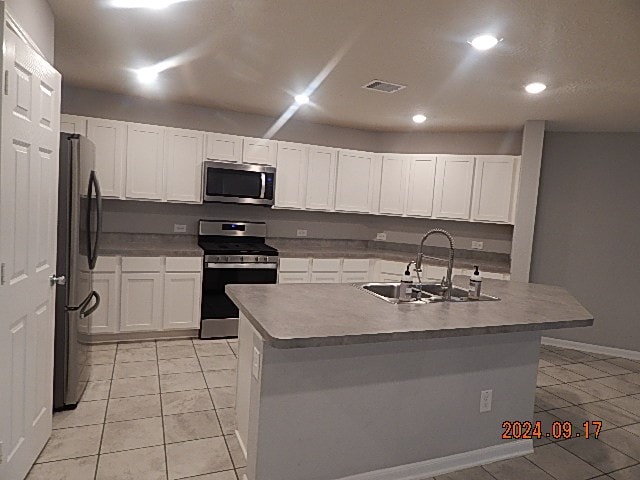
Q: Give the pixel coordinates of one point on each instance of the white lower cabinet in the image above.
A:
(325, 277)
(147, 294)
(182, 292)
(293, 277)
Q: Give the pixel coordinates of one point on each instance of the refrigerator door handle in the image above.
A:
(83, 303)
(94, 186)
(86, 312)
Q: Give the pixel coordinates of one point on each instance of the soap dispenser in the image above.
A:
(475, 284)
(406, 286)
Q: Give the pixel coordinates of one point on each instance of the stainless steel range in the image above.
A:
(234, 252)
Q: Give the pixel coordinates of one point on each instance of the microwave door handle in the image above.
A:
(264, 184)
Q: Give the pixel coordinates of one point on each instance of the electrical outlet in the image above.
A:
(301, 233)
(477, 245)
(255, 367)
(485, 400)
(177, 228)
(381, 236)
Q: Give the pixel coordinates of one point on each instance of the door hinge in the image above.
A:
(2, 274)
(6, 82)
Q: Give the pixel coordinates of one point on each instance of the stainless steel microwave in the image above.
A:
(238, 183)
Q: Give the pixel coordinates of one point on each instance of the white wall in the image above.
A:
(36, 18)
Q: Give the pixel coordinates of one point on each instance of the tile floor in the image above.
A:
(153, 410)
(164, 410)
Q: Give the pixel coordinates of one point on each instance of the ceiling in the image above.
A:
(254, 55)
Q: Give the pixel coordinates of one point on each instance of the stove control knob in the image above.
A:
(265, 259)
(241, 259)
(257, 259)
(226, 259)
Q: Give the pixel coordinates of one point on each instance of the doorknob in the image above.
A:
(55, 280)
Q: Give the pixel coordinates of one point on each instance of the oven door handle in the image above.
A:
(254, 266)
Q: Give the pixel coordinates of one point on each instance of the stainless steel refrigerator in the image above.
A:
(79, 227)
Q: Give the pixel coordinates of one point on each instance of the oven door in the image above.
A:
(229, 183)
(219, 313)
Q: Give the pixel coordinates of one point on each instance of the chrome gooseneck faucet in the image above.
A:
(446, 284)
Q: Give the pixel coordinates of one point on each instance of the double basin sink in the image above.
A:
(432, 292)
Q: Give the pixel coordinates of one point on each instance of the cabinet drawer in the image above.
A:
(107, 264)
(325, 277)
(294, 265)
(184, 264)
(290, 277)
(325, 265)
(354, 277)
(355, 265)
(142, 264)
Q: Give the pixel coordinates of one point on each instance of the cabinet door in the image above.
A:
(493, 188)
(141, 301)
(73, 124)
(291, 277)
(109, 137)
(107, 317)
(183, 153)
(224, 148)
(182, 300)
(454, 178)
(422, 175)
(145, 162)
(393, 184)
(321, 178)
(291, 175)
(259, 151)
(356, 178)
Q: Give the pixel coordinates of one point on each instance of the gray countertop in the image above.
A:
(149, 245)
(311, 315)
(158, 245)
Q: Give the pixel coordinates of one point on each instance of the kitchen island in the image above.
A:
(334, 383)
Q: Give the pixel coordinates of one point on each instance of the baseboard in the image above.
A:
(589, 347)
(141, 336)
(451, 463)
(242, 447)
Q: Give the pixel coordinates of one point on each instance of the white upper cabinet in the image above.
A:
(422, 176)
(224, 148)
(454, 179)
(183, 154)
(259, 151)
(357, 181)
(494, 188)
(393, 185)
(321, 178)
(145, 161)
(109, 137)
(73, 124)
(291, 175)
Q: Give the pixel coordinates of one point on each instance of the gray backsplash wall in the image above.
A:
(587, 235)
(128, 216)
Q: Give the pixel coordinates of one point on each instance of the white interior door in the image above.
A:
(28, 222)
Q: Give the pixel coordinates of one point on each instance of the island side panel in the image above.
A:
(326, 413)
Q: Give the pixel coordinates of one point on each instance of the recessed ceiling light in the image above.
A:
(301, 99)
(151, 4)
(419, 118)
(484, 42)
(147, 75)
(535, 87)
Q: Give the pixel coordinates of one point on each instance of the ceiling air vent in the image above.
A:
(384, 87)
